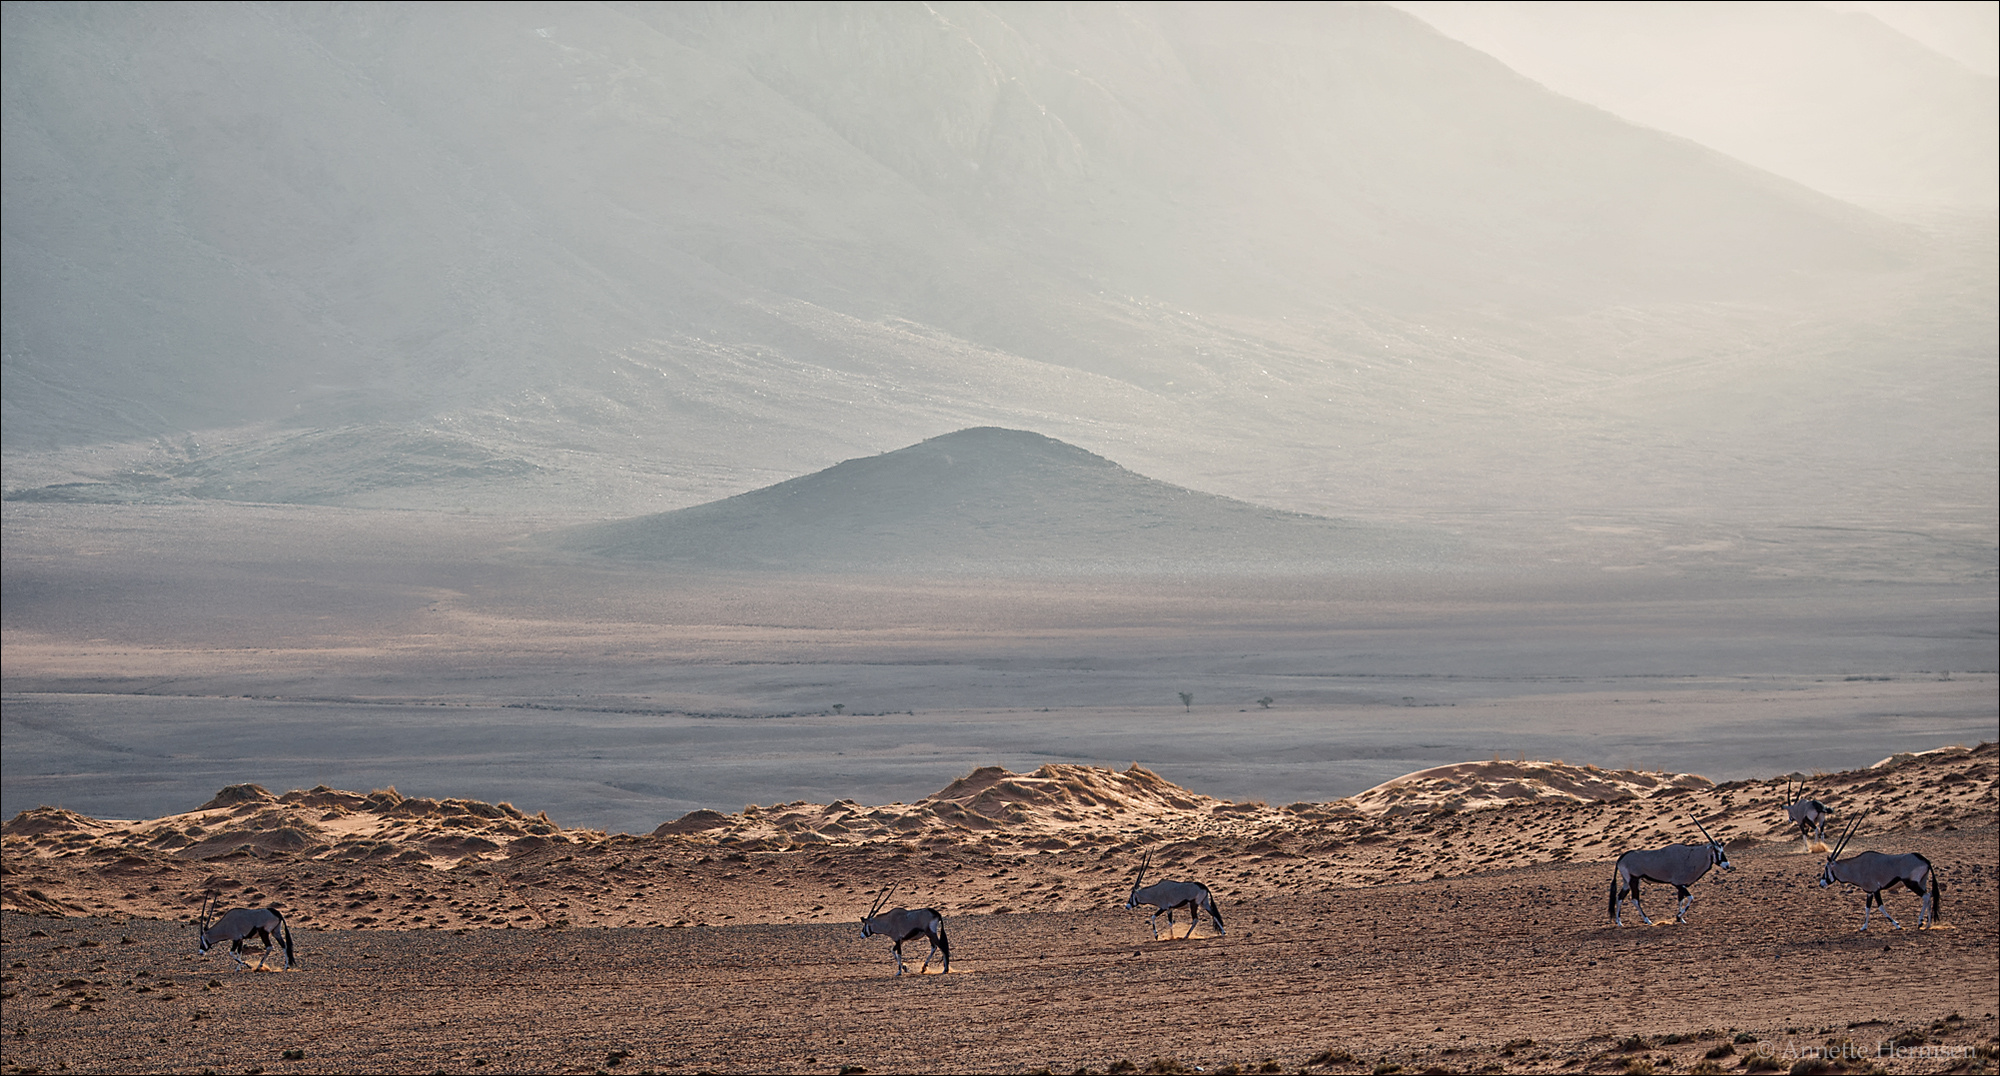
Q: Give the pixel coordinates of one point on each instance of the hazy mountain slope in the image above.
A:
(610, 259)
(1834, 99)
(237, 212)
(993, 500)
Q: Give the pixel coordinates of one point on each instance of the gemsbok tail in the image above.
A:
(1937, 898)
(944, 945)
(285, 933)
(1612, 912)
(1215, 913)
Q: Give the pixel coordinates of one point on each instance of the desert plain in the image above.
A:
(528, 813)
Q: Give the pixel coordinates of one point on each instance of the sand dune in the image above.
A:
(1081, 828)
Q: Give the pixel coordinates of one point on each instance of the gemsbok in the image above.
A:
(1809, 815)
(902, 924)
(239, 926)
(1873, 872)
(1169, 895)
(1677, 865)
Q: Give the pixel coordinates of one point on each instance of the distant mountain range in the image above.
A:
(996, 501)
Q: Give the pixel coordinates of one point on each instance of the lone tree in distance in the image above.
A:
(1187, 700)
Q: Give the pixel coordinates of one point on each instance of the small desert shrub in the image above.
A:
(1706, 1068)
(1762, 1062)
(1724, 1050)
(1634, 1044)
(1167, 1066)
(1673, 1040)
(1122, 1066)
(1743, 1037)
(1331, 1057)
(1813, 1066)
(1912, 1037)
(1387, 1068)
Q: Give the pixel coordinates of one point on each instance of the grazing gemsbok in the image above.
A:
(1809, 815)
(1168, 895)
(1677, 865)
(239, 926)
(1873, 872)
(902, 924)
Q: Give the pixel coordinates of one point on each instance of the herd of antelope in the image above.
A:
(1677, 865)
(1682, 865)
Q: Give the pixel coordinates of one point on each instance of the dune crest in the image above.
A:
(1472, 785)
(319, 823)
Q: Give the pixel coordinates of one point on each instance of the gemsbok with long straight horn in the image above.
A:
(1169, 895)
(1873, 872)
(1809, 815)
(902, 924)
(1677, 865)
(240, 925)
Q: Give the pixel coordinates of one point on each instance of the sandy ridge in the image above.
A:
(1078, 829)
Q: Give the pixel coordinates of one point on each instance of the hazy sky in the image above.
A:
(1965, 30)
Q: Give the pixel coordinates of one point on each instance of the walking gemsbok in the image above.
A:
(1873, 872)
(1169, 895)
(902, 924)
(239, 926)
(1677, 865)
(1809, 815)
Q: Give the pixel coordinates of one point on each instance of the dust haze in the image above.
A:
(622, 409)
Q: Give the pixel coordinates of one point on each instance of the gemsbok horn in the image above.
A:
(1169, 895)
(1873, 872)
(1677, 865)
(903, 924)
(240, 925)
(1809, 815)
